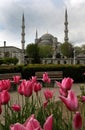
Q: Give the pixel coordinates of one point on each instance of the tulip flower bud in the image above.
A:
(5, 97)
(16, 107)
(77, 121)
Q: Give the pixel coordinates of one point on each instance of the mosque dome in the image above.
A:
(46, 36)
(46, 39)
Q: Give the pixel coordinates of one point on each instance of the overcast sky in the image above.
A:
(43, 15)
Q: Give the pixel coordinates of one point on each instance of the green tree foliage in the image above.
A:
(32, 51)
(67, 49)
(15, 60)
(8, 60)
(1, 61)
(45, 51)
(78, 50)
(83, 49)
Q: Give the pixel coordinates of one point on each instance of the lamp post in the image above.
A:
(74, 57)
(4, 47)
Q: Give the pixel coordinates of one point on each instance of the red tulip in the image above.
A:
(5, 97)
(46, 78)
(16, 79)
(49, 122)
(17, 126)
(77, 121)
(48, 94)
(66, 84)
(16, 107)
(71, 101)
(37, 87)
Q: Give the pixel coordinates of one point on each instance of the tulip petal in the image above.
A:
(48, 124)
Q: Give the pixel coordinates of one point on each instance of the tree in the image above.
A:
(32, 51)
(45, 51)
(15, 60)
(67, 49)
(9, 60)
(78, 50)
(83, 48)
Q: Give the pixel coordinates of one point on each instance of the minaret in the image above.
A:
(36, 34)
(23, 39)
(36, 37)
(66, 27)
(23, 33)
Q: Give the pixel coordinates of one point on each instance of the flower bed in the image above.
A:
(32, 112)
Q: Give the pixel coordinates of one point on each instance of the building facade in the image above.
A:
(12, 51)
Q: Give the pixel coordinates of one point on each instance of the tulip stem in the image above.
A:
(5, 115)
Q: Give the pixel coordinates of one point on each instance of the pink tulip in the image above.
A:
(26, 88)
(70, 101)
(37, 87)
(16, 107)
(48, 94)
(16, 79)
(5, 84)
(77, 121)
(34, 79)
(45, 103)
(62, 92)
(84, 73)
(83, 98)
(46, 78)
(48, 124)
(27, 120)
(17, 126)
(21, 87)
(32, 124)
(5, 97)
(66, 84)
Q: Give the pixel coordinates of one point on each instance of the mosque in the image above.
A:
(45, 39)
(49, 39)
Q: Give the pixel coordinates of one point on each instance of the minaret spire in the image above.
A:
(36, 37)
(23, 33)
(23, 39)
(36, 34)
(66, 27)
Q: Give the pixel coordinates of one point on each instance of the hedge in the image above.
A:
(73, 71)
